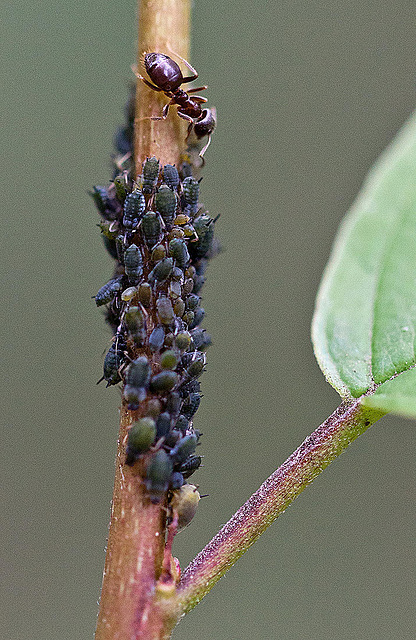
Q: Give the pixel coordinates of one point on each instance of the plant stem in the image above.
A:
(129, 609)
(325, 444)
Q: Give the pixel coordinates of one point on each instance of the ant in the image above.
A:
(166, 76)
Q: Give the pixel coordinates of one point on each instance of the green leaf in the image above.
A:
(364, 325)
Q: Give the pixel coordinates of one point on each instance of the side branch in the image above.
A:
(325, 444)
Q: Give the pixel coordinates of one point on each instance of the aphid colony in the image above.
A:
(161, 239)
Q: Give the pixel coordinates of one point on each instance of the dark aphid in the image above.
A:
(176, 481)
(172, 438)
(199, 282)
(165, 310)
(156, 339)
(120, 248)
(182, 423)
(201, 339)
(153, 408)
(134, 321)
(179, 251)
(134, 206)
(158, 253)
(173, 403)
(177, 274)
(186, 170)
(191, 194)
(151, 228)
(158, 475)
(164, 381)
(163, 424)
(171, 176)
(185, 503)
(140, 439)
(145, 294)
(168, 360)
(136, 382)
(204, 227)
(165, 203)
(166, 76)
(161, 271)
(113, 360)
(111, 247)
(190, 466)
(150, 174)
(169, 339)
(191, 404)
(192, 301)
(133, 264)
(188, 286)
(199, 314)
(108, 291)
(121, 186)
(183, 448)
(192, 386)
(104, 202)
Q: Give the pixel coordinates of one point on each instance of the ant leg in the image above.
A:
(201, 153)
(149, 84)
(186, 117)
(199, 99)
(164, 112)
(190, 67)
(205, 86)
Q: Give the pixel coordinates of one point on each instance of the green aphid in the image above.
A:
(191, 194)
(161, 271)
(164, 381)
(185, 503)
(108, 291)
(204, 227)
(158, 253)
(107, 229)
(165, 310)
(179, 251)
(171, 176)
(145, 294)
(183, 448)
(120, 185)
(140, 438)
(151, 228)
(166, 203)
(179, 307)
(150, 174)
(135, 323)
(158, 474)
(168, 360)
(196, 366)
(133, 264)
(183, 340)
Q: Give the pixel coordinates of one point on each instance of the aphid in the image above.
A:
(153, 408)
(150, 174)
(182, 423)
(107, 229)
(172, 438)
(188, 317)
(177, 274)
(179, 307)
(140, 438)
(183, 448)
(133, 264)
(185, 503)
(156, 339)
(134, 206)
(192, 301)
(199, 282)
(171, 176)
(192, 386)
(151, 228)
(201, 339)
(165, 203)
(134, 321)
(145, 294)
(113, 360)
(191, 194)
(164, 381)
(120, 248)
(158, 253)
(179, 251)
(191, 404)
(104, 202)
(173, 403)
(175, 290)
(158, 474)
(183, 340)
(188, 286)
(165, 310)
(129, 293)
(136, 382)
(161, 271)
(199, 314)
(204, 227)
(120, 186)
(168, 360)
(196, 365)
(190, 465)
(108, 291)
(163, 424)
(166, 76)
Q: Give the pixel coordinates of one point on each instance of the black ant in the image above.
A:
(166, 76)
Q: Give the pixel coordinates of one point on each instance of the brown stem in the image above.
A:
(325, 444)
(131, 605)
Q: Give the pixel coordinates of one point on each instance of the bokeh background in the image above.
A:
(308, 94)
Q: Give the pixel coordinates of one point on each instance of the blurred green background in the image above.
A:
(308, 94)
